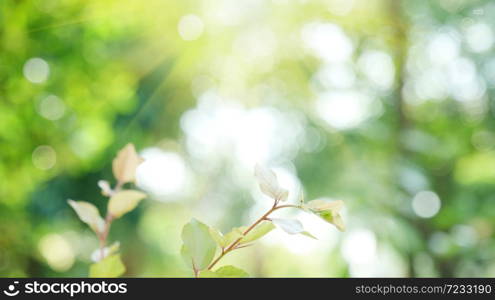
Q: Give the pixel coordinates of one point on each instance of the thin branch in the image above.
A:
(234, 244)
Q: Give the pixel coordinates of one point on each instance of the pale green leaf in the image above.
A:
(308, 235)
(269, 184)
(89, 214)
(218, 237)
(258, 232)
(231, 272)
(332, 218)
(124, 201)
(96, 256)
(111, 266)
(199, 247)
(208, 274)
(125, 164)
(234, 235)
(283, 195)
(291, 226)
(224, 272)
(328, 211)
(320, 205)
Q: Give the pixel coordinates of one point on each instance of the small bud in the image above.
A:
(106, 190)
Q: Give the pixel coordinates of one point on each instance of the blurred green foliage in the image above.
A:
(384, 104)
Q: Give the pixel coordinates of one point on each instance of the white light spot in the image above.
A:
(359, 247)
(344, 110)
(431, 84)
(464, 235)
(44, 157)
(57, 252)
(190, 27)
(378, 68)
(439, 242)
(51, 108)
(426, 204)
(328, 41)
(335, 76)
(162, 173)
(256, 46)
(464, 83)
(36, 70)
(412, 179)
(443, 48)
(479, 37)
(217, 127)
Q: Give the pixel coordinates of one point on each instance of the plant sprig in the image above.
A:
(200, 242)
(121, 201)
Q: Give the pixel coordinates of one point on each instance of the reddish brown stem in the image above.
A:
(236, 242)
(104, 235)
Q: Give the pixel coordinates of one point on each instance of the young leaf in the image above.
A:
(328, 211)
(125, 164)
(283, 195)
(225, 240)
(107, 251)
(332, 218)
(89, 214)
(320, 205)
(258, 232)
(111, 266)
(234, 234)
(218, 237)
(124, 201)
(231, 272)
(308, 235)
(208, 274)
(269, 184)
(291, 226)
(199, 248)
(224, 272)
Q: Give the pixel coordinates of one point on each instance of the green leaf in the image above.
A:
(231, 272)
(208, 274)
(218, 237)
(234, 234)
(124, 201)
(199, 247)
(111, 266)
(308, 235)
(332, 218)
(328, 211)
(224, 272)
(258, 232)
(225, 240)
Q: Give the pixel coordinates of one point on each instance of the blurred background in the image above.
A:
(384, 104)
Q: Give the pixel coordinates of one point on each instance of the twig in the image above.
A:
(237, 241)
